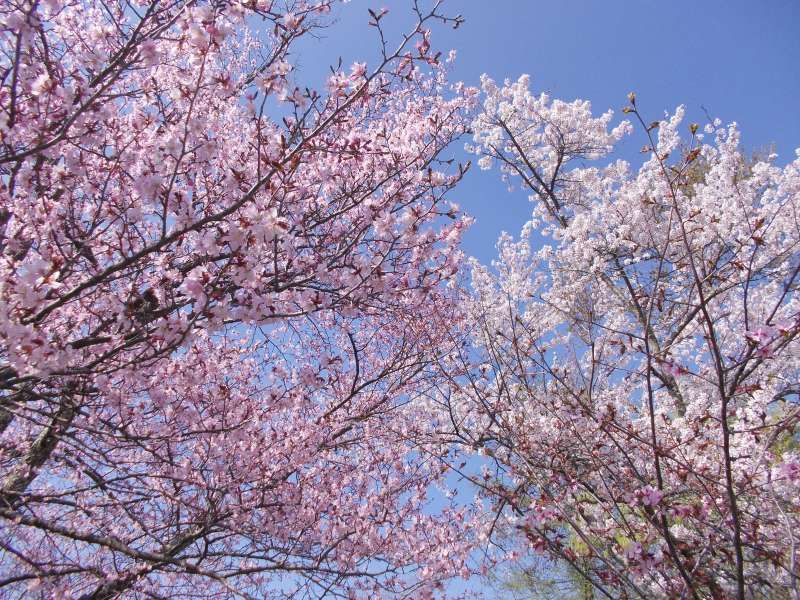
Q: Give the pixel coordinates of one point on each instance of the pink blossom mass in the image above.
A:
(243, 353)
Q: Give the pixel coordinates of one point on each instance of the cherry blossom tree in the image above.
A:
(210, 282)
(632, 381)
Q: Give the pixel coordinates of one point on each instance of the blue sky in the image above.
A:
(737, 59)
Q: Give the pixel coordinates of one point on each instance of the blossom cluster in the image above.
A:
(209, 283)
(634, 355)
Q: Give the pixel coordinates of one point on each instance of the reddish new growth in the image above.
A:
(635, 380)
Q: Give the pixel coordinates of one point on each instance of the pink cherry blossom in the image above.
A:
(651, 496)
(212, 355)
(636, 373)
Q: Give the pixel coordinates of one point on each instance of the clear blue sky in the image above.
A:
(739, 59)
